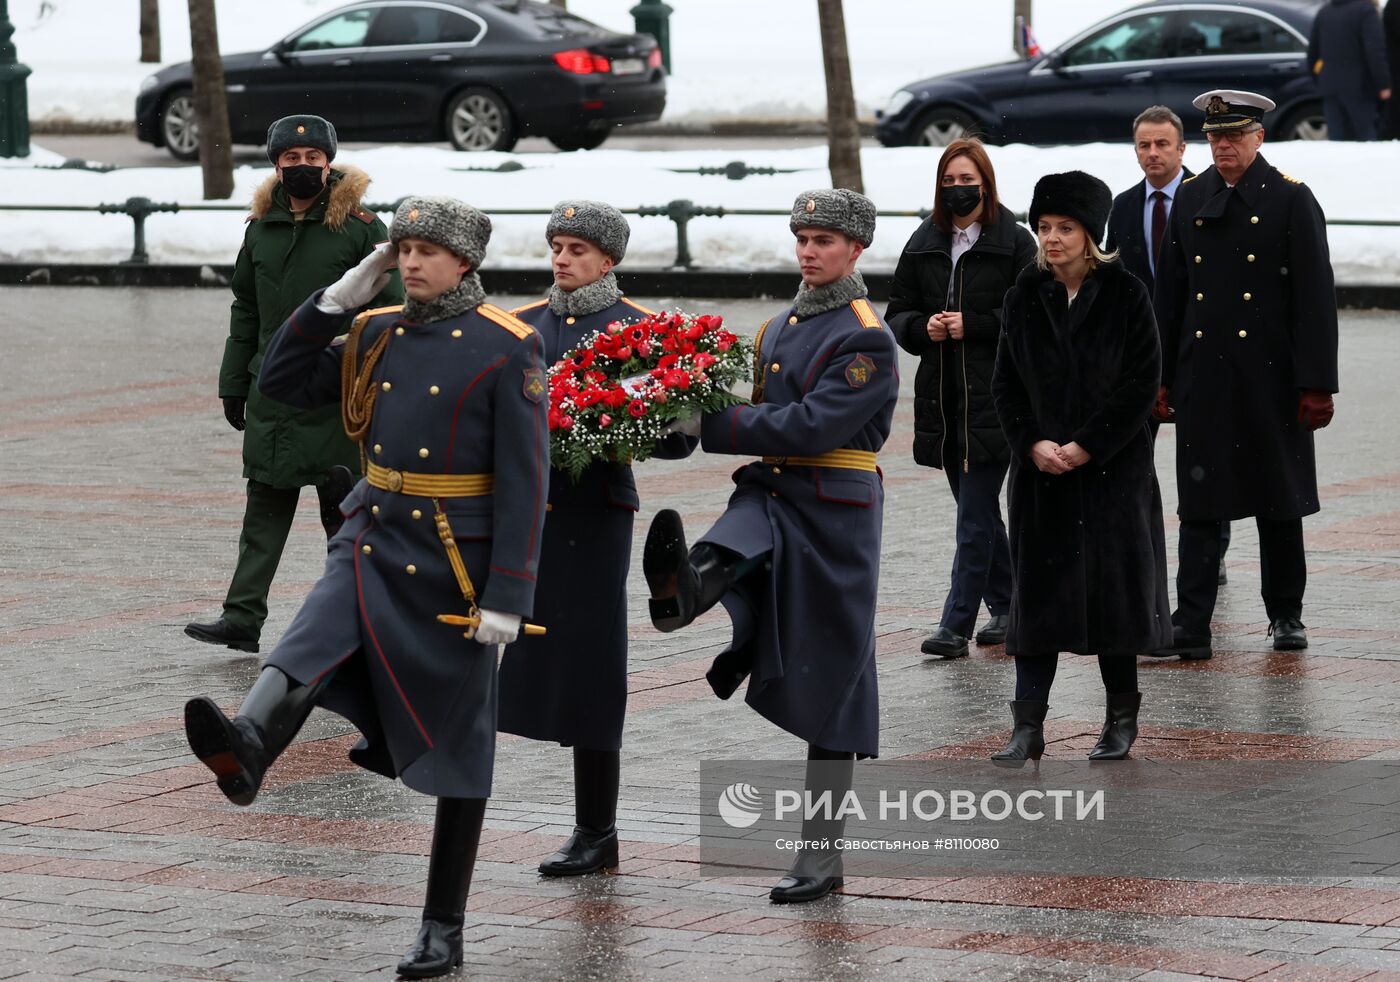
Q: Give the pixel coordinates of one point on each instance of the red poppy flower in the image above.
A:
(637, 409)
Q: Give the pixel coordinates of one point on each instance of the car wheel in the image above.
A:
(941, 125)
(180, 126)
(479, 120)
(1304, 123)
(582, 140)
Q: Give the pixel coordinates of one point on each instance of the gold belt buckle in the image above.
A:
(395, 480)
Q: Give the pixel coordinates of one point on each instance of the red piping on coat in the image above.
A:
(374, 639)
(456, 413)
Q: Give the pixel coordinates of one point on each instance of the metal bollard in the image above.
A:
(139, 209)
(681, 211)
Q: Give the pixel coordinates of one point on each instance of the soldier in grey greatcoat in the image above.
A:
(447, 398)
(795, 558)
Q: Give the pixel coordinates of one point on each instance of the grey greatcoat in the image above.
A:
(831, 381)
(464, 395)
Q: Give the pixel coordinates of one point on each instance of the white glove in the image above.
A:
(360, 284)
(689, 425)
(497, 628)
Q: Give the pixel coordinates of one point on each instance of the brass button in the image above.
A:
(366, 549)
(1249, 258)
(1198, 260)
(1244, 334)
(433, 390)
(398, 331)
(569, 320)
(1200, 334)
(1254, 219)
(423, 452)
(378, 448)
(774, 367)
(1249, 296)
(777, 470)
(416, 514)
(374, 510)
(457, 332)
(1200, 296)
(1199, 223)
(395, 481)
(385, 387)
(793, 319)
(410, 569)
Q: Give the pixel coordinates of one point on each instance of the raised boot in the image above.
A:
(1119, 726)
(685, 583)
(818, 868)
(593, 845)
(240, 750)
(1027, 737)
(456, 834)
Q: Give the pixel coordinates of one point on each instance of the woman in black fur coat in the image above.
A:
(1076, 376)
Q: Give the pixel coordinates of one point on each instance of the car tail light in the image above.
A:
(581, 61)
(654, 59)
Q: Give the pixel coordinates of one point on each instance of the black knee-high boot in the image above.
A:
(684, 584)
(239, 751)
(818, 870)
(456, 834)
(593, 845)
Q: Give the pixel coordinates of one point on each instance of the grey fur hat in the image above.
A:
(452, 224)
(300, 131)
(1076, 195)
(593, 221)
(835, 208)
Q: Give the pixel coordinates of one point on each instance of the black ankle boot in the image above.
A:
(239, 751)
(456, 834)
(1119, 726)
(1028, 737)
(593, 845)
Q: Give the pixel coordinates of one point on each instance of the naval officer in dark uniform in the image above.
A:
(795, 558)
(1247, 308)
(570, 686)
(447, 398)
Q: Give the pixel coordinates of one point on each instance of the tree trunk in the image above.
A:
(843, 131)
(150, 30)
(210, 102)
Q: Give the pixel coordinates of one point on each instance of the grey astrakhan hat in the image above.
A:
(452, 224)
(835, 208)
(593, 221)
(300, 131)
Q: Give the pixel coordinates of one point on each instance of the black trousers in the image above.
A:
(1283, 570)
(982, 562)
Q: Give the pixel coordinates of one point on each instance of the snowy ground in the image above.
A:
(898, 179)
(733, 59)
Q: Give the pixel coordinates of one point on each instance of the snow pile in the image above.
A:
(733, 59)
(897, 179)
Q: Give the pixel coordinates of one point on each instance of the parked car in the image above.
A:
(478, 73)
(1093, 86)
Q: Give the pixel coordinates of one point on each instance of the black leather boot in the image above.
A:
(818, 868)
(239, 751)
(684, 584)
(456, 834)
(337, 486)
(994, 631)
(1290, 633)
(593, 845)
(1119, 726)
(1027, 738)
(224, 633)
(945, 643)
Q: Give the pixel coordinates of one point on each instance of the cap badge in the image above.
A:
(569, 213)
(301, 129)
(811, 205)
(413, 214)
(1216, 106)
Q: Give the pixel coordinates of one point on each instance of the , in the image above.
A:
(1090, 88)
(477, 73)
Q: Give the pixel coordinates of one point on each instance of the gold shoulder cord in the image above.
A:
(357, 394)
(758, 376)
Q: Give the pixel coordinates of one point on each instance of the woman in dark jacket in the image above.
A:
(1076, 376)
(945, 307)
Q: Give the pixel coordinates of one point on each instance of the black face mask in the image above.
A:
(303, 180)
(962, 199)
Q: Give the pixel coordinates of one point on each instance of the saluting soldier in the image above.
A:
(1248, 313)
(570, 686)
(448, 400)
(307, 227)
(795, 558)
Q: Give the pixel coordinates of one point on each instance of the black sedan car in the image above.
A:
(478, 73)
(1092, 87)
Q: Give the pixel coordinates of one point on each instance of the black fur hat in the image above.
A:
(1076, 195)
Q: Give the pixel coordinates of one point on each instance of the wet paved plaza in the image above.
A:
(119, 513)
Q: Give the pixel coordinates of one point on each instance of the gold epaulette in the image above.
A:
(865, 313)
(1290, 180)
(529, 306)
(510, 322)
(365, 315)
(636, 306)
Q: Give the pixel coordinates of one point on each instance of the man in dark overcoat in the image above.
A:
(795, 558)
(307, 225)
(1346, 52)
(448, 399)
(570, 686)
(1248, 313)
